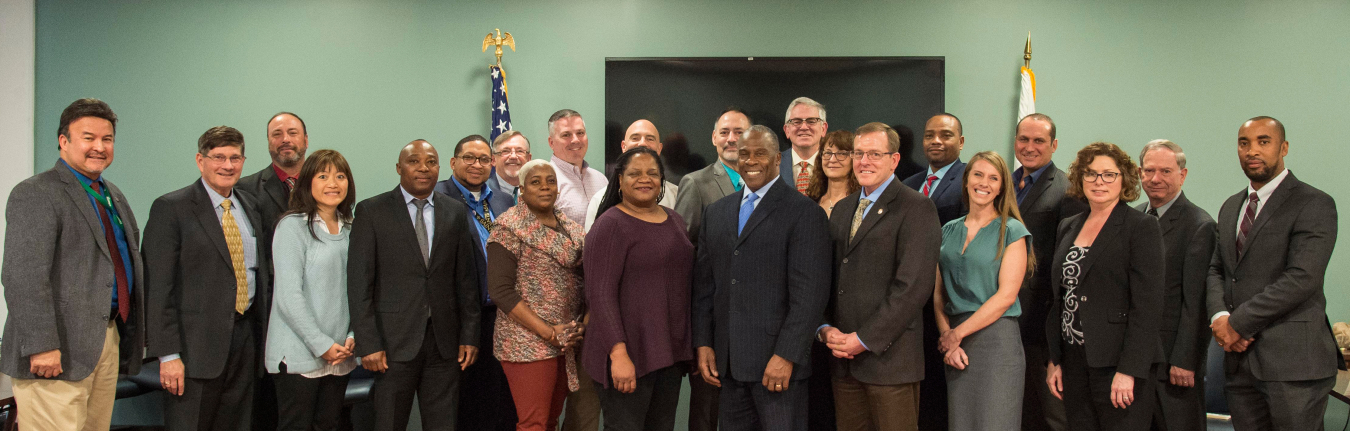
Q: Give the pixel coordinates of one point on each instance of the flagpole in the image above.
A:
(1027, 56)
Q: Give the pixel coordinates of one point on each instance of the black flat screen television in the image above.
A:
(683, 97)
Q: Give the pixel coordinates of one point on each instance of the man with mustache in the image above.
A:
(73, 275)
(578, 182)
(641, 133)
(209, 291)
(1188, 238)
(510, 151)
(805, 127)
(1042, 199)
(1266, 302)
(489, 407)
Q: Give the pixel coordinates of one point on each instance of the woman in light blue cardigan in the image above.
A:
(309, 341)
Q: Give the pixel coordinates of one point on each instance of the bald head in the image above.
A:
(641, 133)
(418, 168)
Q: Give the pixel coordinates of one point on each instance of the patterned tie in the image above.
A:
(858, 218)
(119, 267)
(1248, 218)
(235, 242)
(804, 177)
(420, 228)
(1153, 212)
(929, 184)
(746, 208)
(290, 184)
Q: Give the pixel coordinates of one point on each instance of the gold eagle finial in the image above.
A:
(499, 39)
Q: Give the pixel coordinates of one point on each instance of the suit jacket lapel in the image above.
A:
(441, 214)
(722, 180)
(404, 221)
(1169, 218)
(762, 211)
(75, 191)
(872, 217)
(1268, 210)
(1105, 238)
(206, 215)
(1038, 188)
(275, 189)
(953, 175)
(1228, 219)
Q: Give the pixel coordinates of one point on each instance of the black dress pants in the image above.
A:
(651, 407)
(1087, 396)
(309, 404)
(224, 403)
(432, 378)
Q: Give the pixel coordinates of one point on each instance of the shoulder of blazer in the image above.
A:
(915, 181)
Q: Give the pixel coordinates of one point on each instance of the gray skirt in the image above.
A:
(987, 395)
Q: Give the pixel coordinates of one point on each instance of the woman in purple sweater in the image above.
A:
(638, 261)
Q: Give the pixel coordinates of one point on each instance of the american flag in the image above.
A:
(501, 114)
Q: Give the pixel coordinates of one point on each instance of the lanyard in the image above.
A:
(106, 201)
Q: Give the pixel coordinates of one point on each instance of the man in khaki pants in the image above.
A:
(72, 276)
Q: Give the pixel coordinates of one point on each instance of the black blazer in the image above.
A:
(190, 284)
(1275, 291)
(947, 196)
(390, 289)
(761, 293)
(497, 205)
(883, 280)
(1045, 206)
(270, 194)
(1120, 292)
(1188, 237)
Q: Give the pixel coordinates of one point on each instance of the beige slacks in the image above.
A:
(62, 405)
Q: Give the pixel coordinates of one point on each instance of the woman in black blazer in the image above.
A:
(1108, 266)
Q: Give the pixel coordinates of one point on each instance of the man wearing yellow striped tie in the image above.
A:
(207, 296)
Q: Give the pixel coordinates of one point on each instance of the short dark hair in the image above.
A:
(220, 136)
(303, 129)
(88, 107)
(561, 114)
(1038, 117)
(892, 137)
(733, 108)
(960, 130)
(1278, 125)
(471, 138)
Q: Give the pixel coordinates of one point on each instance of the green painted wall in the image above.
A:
(369, 76)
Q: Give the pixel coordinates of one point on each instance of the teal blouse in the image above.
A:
(970, 279)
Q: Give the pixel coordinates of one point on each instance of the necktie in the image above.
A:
(1248, 218)
(746, 208)
(290, 184)
(119, 267)
(804, 177)
(235, 242)
(420, 229)
(858, 215)
(1153, 212)
(929, 184)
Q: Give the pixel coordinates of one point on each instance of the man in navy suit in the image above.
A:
(805, 128)
(761, 283)
(490, 407)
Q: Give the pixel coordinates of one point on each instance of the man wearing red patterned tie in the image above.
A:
(805, 127)
(941, 182)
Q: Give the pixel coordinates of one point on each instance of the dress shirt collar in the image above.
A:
(941, 172)
(1166, 206)
(485, 193)
(1268, 189)
(502, 181)
(217, 198)
(83, 179)
(797, 160)
(1035, 175)
(408, 197)
(876, 194)
(761, 192)
(568, 169)
(281, 174)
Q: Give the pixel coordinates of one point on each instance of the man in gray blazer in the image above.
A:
(1188, 240)
(1265, 297)
(73, 280)
(886, 252)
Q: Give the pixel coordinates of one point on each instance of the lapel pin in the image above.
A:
(881, 210)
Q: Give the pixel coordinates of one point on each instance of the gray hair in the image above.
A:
(1158, 144)
(804, 101)
(529, 166)
(497, 143)
(771, 137)
(561, 114)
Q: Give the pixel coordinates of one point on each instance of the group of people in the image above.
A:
(797, 285)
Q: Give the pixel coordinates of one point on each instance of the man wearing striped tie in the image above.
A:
(207, 291)
(941, 182)
(805, 127)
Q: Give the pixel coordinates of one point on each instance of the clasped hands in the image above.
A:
(952, 353)
(1228, 337)
(842, 345)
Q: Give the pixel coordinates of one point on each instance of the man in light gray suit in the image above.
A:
(1266, 302)
(72, 276)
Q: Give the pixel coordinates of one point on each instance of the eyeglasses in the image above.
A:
(514, 152)
(797, 122)
(833, 155)
(871, 155)
(469, 160)
(219, 159)
(1105, 177)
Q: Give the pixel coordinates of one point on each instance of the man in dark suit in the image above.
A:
(805, 128)
(1265, 297)
(941, 183)
(886, 252)
(510, 151)
(1188, 238)
(1041, 198)
(696, 191)
(489, 405)
(761, 283)
(208, 291)
(73, 277)
(414, 294)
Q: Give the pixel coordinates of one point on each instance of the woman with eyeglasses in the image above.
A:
(984, 260)
(832, 176)
(1107, 272)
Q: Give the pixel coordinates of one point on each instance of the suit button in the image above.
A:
(841, 291)
(733, 281)
(736, 253)
(846, 260)
(1084, 298)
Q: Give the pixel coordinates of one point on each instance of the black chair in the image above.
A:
(142, 383)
